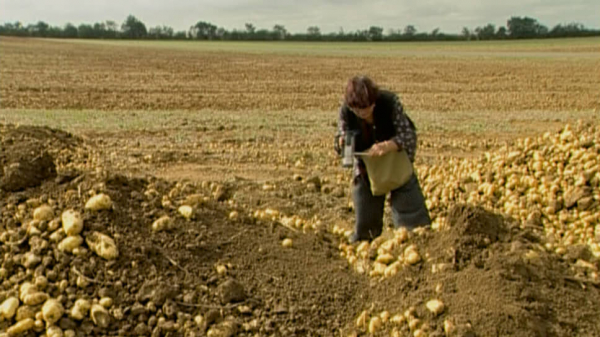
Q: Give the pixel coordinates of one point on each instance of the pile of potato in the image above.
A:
(551, 182)
(36, 299)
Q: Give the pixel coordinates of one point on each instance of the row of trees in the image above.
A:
(133, 28)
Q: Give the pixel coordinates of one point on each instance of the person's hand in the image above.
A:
(379, 149)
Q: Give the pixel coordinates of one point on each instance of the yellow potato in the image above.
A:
(69, 243)
(54, 331)
(9, 307)
(162, 224)
(186, 211)
(99, 202)
(72, 222)
(21, 327)
(52, 311)
(375, 324)
(103, 245)
(100, 316)
(435, 306)
(43, 213)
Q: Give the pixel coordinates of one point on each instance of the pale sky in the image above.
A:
(296, 15)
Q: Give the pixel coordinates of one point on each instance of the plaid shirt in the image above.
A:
(405, 132)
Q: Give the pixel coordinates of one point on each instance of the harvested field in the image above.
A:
(223, 210)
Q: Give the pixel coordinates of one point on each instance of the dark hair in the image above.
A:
(361, 92)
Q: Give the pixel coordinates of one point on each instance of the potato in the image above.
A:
(99, 202)
(35, 298)
(436, 307)
(361, 321)
(54, 331)
(375, 324)
(186, 211)
(398, 319)
(100, 316)
(449, 327)
(414, 324)
(26, 289)
(103, 245)
(52, 311)
(106, 302)
(38, 325)
(9, 307)
(199, 320)
(72, 222)
(385, 258)
(80, 309)
(287, 243)
(392, 269)
(234, 215)
(162, 224)
(221, 269)
(43, 213)
(419, 333)
(21, 327)
(69, 243)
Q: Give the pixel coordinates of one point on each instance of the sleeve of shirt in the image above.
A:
(342, 120)
(406, 135)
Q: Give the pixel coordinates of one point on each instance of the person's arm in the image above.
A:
(406, 135)
(405, 138)
(342, 128)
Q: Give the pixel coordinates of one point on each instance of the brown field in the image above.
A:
(249, 128)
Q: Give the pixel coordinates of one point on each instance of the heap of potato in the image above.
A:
(37, 299)
(551, 182)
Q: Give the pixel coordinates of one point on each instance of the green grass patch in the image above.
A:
(559, 47)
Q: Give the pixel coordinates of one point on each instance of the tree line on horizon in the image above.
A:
(133, 28)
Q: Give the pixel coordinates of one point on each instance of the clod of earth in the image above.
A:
(232, 291)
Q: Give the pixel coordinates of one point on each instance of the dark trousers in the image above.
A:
(407, 202)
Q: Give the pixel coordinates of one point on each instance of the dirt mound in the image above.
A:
(211, 272)
(494, 279)
(27, 156)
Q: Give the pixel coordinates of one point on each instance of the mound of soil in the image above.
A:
(498, 281)
(161, 281)
(26, 156)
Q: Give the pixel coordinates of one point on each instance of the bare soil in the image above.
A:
(161, 281)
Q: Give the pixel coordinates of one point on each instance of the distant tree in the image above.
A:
(70, 31)
(435, 32)
(571, 29)
(180, 35)
(203, 31)
(519, 28)
(280, 32)
(410, 30)
(133, 28)
(486, 32)
(85, 31)
(466, 33)
(40, 29)
(100, 30)
(313, 31)
(221, 33)
(501, 33)
(112, 29)
(375, 33)
(250, 29)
